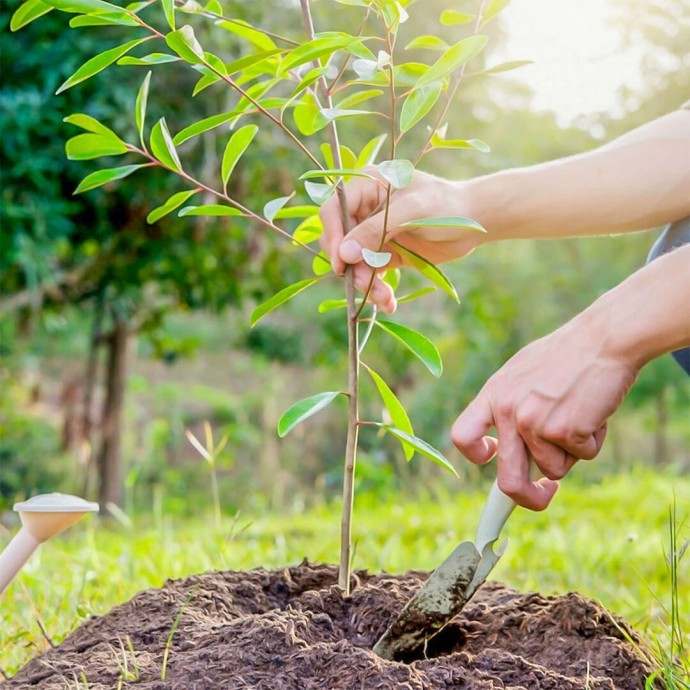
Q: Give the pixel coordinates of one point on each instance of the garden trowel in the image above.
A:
(450, 586)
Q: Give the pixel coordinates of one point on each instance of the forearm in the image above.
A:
(646, 316)
(638, 181)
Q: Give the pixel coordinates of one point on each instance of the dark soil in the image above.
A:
(291, 629)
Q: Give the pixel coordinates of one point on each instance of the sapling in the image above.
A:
(301, 88)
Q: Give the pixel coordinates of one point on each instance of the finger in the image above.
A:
(381, 293)
(513, 472)
(333, 232)
(582, 445)
(470, 431)
(553, 461)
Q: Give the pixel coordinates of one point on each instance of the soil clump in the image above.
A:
(291, 629)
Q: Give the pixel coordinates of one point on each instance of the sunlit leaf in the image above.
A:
(334, 172)
(365, 69)
(302, 211)
(140, 106)
(27, 12)
(303, 410)
(428, 270)
(495, 6)
(416, 343)
(505, 66)
(279, 299)
(101, 177)
(162, 146)
(84, 6)
(442, 222)
(398, 173)
(184, 43)
(453, 17)
(203, 126)
(313, 50)
(428, 42)
(98, 64)
(318, 192)
(347, 157)
(438, 142)
(357, 97)
(85, 147)
(150, 59)
(174, 202)
(90, 124)
(248, 32)
(392, 277)
(211, 210)
(214, 7)
(418, 104)
(237, 145)
(309, 230)
(395, 409)
(272, 207)
(454, 57)
(331, 304)
(321, 264)
(421, 447)
(169, 12)
(103, 19)
(416, 294)
(371, 149)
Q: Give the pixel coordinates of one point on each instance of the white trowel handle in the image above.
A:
(15, 555)
(497, 510)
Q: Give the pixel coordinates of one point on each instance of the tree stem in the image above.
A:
(352, 347)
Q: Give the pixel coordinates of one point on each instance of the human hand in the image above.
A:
(551, 403)
(426, 196)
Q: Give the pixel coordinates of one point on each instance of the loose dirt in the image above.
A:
(292, 629)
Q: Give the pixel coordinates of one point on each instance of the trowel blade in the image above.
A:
(442, 597)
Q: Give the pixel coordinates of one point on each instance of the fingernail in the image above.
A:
(350, 251)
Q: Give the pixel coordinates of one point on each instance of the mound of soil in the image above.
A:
(292, 629)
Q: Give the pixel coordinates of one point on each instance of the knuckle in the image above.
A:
(510, 485)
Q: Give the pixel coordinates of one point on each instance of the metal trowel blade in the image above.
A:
(442, 597)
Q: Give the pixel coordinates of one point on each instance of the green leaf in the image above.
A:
(211, 210)
(27, 12)
(90, 124)
(416, 343)
(416, 294)
(450, 222)
(418, 104)
(309, 230)
(303, 410)
(395, 409)
(358, 97)
(175, 201)
(321, 264)
(428, 42)
(392, 277)
(371, 149)
(150, 59)
(280, 298)
(331, 304)
(84, 6)
(162, 146)
(98, 64)
(214, 7)
(506, 66)
(457, 55)
(103, 19)
(398, 173)
(248, 32)
(428, 270)
(203, 126)
(84, 147)
(272, 207)
(313, 50)
(237, 145)
(421, 447)
(101, 177)
(318, 192)
(376, 259)
(140, 106)
(453, 18)
(439, 143)
(495, 6)
(169, 12)
(327, 115)
(184, 43)
(303, 211)
(347, 157)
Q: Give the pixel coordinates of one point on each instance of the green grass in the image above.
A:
(608, 541)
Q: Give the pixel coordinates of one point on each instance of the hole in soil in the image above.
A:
(446, 641)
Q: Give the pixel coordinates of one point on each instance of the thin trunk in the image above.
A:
(90, 378)
(110, 488)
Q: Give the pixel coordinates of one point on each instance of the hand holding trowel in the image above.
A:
(451, 585)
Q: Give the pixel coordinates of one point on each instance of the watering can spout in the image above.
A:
(42, 517)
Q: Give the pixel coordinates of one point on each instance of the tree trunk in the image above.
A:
(661, 435)
(110, 485)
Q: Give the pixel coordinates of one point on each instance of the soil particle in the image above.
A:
(291, 629)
